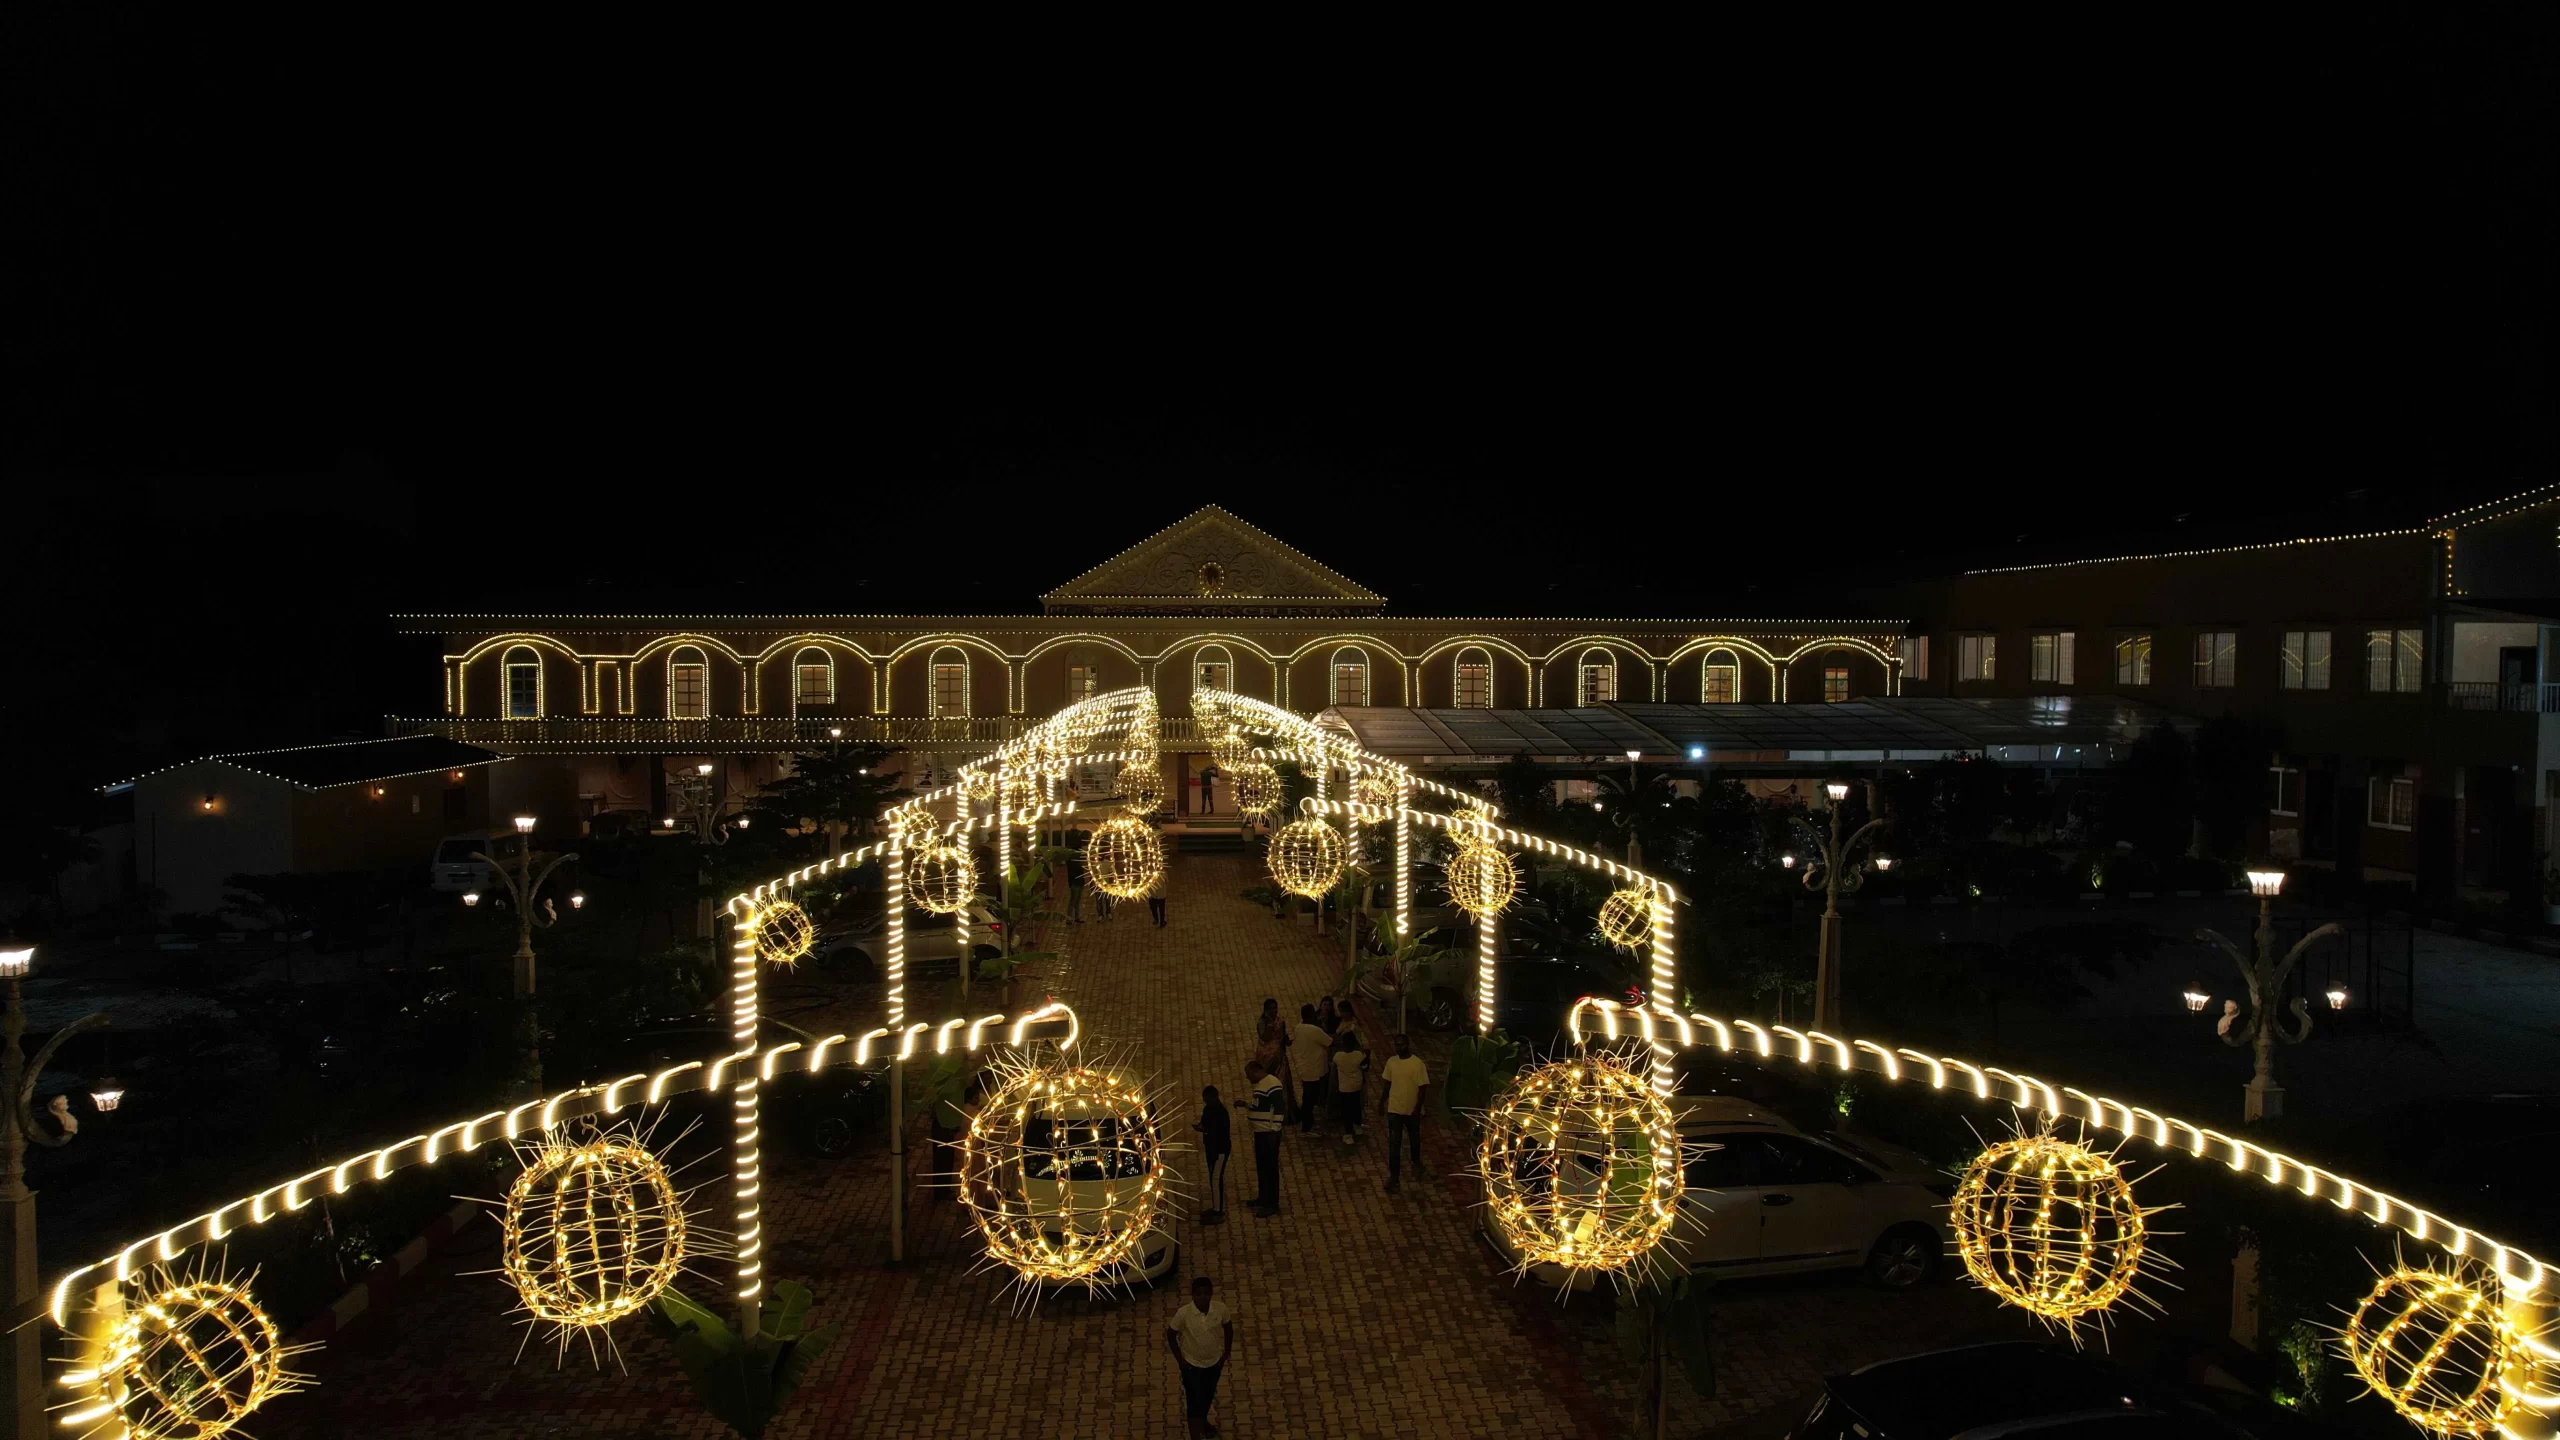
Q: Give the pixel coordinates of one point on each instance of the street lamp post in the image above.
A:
(1833, 871)
(1635, 855)
(523, 886)
(25, 1347)
(2263, 1024)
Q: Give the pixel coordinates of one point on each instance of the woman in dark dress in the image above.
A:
(1216, 1144)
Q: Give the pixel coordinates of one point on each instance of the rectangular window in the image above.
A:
(1915, 657)
(1723, 684)
(2288, 787)
(1599, 684)
(2133, 660)
(1082, 683)
(1977, 657)
(817, 684)
(2217, 662)
(2391, 802)
(524, 691)
(1475, 687)
(2050, 657)
(1835, 684)
(1350, 684)
(950, 690)
(2394, 661)
(2306, 659)
(1212, 676)
(689, 691)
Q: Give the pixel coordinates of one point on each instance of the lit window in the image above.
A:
(2288, 796)
(950, 696)
(1720, 681)
(1350, 677)
(2050, 657)
(1977, 657)
(1212, 669)
(2306, 659)
(1915, 657)
(2394, 661)
(2217, 659)
(1474, 690)
(1599, 678)
(813, 678)
(524, 683)
(1835, 684)
(688, 684)
(2391, 802)
(1082, 683)
(2133, 660)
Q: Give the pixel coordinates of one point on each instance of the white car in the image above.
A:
(1763, 1198)
(1091, 1163)
(453, 871)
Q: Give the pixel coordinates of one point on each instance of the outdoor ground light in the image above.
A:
(108, 1095)
(2337, 995)
(2196, 998)
(470, 897)
(524, 824)
(1837, 790)
(2266, 884)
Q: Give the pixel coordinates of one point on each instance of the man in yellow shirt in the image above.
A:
(1407, 1081)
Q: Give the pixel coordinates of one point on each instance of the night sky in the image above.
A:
(308, 324)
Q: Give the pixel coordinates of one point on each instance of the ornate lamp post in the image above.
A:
(523, 886)
(25, 1348)
(2263, 1024)
(1834, 870)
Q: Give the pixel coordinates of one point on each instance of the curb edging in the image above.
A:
(376, 1286)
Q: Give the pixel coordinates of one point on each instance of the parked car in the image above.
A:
(1764, 1198)
(453, 871)
(824, 1112)
(859, 950)
(2015, 1388)
(1072, 1176)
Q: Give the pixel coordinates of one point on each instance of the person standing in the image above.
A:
(1155, 905)
(1201, 1336)
(1406, 1079)
(1350, 1082)
(1270, 1037)
(1328, 1017)
(1311, 1063)
(1270, 1112)
(1217, 1142)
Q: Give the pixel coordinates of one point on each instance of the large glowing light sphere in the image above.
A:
(784, 933)
(188, 1360)
(1229, 748)
(1062, 1173)
(1307, 857)
(2050, 1226)
(2437, 1346)
(1022, 790)
(1481, 880)
(941, 878)
(1257, 788)
(1141, 787)
(592, 1232)
(1124, 859)
(1581, 1165)
(979, 784)
(1626, 919)
(1374, 787)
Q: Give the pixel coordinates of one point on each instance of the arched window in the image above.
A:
(950, 693)
(1350, 676)
(1213, 669)
(813, 677)
(523, 670)
(1084, 675)
(1720, 678)
(1474, 687)
(1599, 676)
(1835, 676)
(688, 684)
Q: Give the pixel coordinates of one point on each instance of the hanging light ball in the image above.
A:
(1229, 749)
(1022, 790)
(2436, 1346)
(1374, 787)
(188, 1360)
(1481, 880)
(978, 784)
(941, 877)
(1141, 787)
(592, 1231)
(1581, 1165)
(1257, 788)
(784, 933)
(2050, 1226)
(1626, 919)
(1307, 857)
(1062, 1173)
(1125, 858)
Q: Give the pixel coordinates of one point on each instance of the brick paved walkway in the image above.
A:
(1359, 1313)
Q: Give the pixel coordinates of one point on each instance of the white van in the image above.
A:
(453, 871)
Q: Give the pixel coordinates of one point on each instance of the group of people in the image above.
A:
(1298, 1072)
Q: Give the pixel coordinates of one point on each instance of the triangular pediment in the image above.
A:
(1211, 561)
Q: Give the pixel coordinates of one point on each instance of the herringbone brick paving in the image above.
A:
(1358, 1313)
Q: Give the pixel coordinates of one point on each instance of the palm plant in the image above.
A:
(1015, 903)
(1413, 967)
(1639, 808)
(743, 1380)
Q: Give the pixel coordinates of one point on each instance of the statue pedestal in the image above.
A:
(2262, 1101)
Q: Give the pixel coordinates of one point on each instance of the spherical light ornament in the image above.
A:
(1481, 880)
(189, 1359)
(1257, 788)
(1581, 1165)
(1141, 787)
(1124, 859)
(2050, 1226)
(1626, 919)
(784, 933)
(1022, 790)
(2436, 1345)
(1307, 857)
(1062, 1173)
(1229, 749)
(979, 785)
(592, 1232)
(1374, 787)
(941, 878)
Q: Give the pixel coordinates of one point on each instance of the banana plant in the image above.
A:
(1415, 965)
(1016, 903)
(743, 1381)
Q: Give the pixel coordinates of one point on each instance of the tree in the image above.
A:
(1641, 806)
(1015, 902)
(1527, 794)
(843, 787)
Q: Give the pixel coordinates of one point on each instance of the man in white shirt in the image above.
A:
(1270, 1111)
(1402, 1105)
(1311, 1061)
(1200, 1337)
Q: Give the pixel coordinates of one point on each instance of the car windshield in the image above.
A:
(1095, 1149)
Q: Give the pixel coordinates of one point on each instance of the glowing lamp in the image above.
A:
(1633, 755)
(379, 792)
(457, 775)
(14, 964)
(702, 769)
(524, 824)
(835, 732)
(577, 899)
(2337, 995)
(668, 821)
(108, 1095)
(2196, 998)
(208, 802)
(1788, 861)
(1596, 805)
(1697, 752)
(2266, 884)
(1837, 790)
(742, 822)
(470, 897)
(1884, 862)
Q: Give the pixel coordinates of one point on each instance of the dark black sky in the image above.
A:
(315, 317)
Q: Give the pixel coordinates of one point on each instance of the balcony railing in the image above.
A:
(639, 735)
(2532, 699)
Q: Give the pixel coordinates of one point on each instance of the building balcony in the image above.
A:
(738, 734)
(2530, 699)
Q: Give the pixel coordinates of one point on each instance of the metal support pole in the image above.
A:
(893, 869)
(1404, 860)
(1665, 997)
(1484, 973)
(748, 1180)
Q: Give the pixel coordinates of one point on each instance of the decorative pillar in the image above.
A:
(1666, 994)
(893, 871)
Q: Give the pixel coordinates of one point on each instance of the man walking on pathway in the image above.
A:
(1311, 1064)
(1402, 1105)
(1351, 1082)
(1200, 1337)
(1270, 1110)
